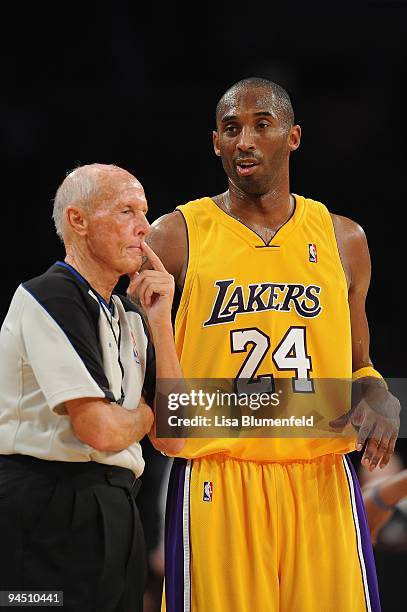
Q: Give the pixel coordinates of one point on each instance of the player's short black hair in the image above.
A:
(281, 99)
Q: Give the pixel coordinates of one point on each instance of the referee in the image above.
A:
(77, 376)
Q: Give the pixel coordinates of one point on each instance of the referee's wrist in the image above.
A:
(377, 499)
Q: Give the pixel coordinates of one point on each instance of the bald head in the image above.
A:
(271, 93)
(86, 186)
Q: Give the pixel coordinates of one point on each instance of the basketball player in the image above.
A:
(270, 524)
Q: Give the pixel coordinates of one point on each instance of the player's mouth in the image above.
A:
(246, 167)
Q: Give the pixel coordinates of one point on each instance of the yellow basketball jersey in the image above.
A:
(250, 310)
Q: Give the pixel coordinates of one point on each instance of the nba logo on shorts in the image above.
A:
(207, 494)
(312, 249)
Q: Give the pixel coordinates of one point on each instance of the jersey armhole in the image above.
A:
(193, 247)
(330, 230)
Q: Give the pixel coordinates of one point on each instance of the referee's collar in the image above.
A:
(82, 279)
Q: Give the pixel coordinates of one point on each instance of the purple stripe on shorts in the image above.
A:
(367, 549)
(174, 545)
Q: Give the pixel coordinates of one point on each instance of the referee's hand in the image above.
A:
(145, 417)
(154, 288)
(167, 446)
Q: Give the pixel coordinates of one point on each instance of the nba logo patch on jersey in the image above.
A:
(207, 492)
(312, 250)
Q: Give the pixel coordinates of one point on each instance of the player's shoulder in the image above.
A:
(174, 221)
(166, 233)
(198, 203)
(343, 223)
(347, 229)
(167, 223)
(168, 237)
(349, 234)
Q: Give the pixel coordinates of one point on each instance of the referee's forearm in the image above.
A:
(109, 427)
(169, 379)
(167, 363)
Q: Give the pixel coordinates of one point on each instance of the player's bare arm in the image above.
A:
(376, 411)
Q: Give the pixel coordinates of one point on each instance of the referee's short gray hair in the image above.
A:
(80, 187)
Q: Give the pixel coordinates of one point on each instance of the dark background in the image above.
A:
(111, 86)
(92, 83)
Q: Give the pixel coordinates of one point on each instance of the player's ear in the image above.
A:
(215, 141)
(294, 137)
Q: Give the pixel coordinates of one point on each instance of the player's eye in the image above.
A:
(230, 129)
(263, 124)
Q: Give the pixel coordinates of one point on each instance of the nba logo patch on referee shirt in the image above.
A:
(207, 492)
(312, 250)
(135, 351)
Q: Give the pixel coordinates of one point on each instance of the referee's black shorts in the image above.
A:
(72, 527)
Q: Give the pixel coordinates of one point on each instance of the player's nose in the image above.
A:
(246, 139)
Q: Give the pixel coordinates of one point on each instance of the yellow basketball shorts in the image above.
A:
(243, 536)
